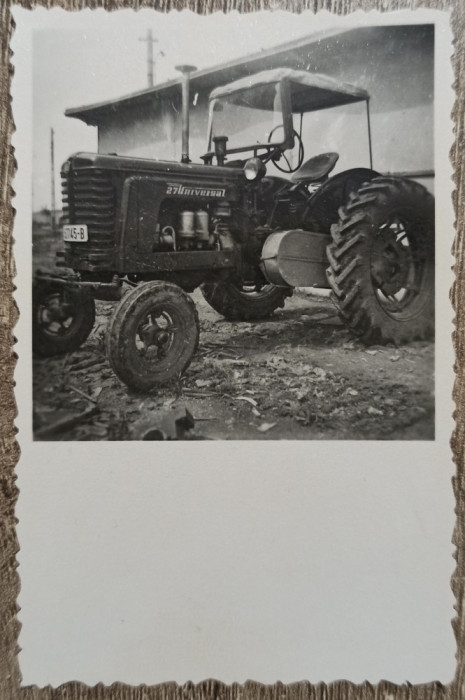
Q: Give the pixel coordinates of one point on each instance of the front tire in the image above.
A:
(62, 319)
(382, 262)
(153, 335)
(244, 303)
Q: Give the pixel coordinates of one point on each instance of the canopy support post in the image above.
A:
(369, 133)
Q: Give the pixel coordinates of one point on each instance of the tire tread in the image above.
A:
(349, 274)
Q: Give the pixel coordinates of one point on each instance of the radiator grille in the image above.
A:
(89, 198)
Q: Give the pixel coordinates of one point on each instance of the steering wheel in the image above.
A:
(300, 157)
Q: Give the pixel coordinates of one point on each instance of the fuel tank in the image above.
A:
(295, 258)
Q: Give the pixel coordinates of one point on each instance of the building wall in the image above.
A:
(397, 72)
(155, 131)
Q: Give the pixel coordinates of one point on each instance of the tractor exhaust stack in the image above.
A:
(185, 70)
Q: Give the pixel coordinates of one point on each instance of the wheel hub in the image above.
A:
(55, 316)
(56, 310)
(156, 332)
(390, 262)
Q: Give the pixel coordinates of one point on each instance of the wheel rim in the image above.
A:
(158, 336)
(397, 267)
(252, 290)
(55, 316)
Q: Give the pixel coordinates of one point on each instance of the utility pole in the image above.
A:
(150, 58)
(52, 163)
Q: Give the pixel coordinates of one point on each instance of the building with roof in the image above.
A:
(394, 64)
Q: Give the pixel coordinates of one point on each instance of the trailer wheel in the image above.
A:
(382, 262)
(153, 335)
(242, 302)
(62, 318)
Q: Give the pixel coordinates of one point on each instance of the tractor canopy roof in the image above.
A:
(309, 91)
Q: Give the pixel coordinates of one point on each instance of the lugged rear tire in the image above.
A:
(382, 262)
(237, 304)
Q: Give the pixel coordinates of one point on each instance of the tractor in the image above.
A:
(246, 237)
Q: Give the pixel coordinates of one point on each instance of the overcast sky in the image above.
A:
(87, 57)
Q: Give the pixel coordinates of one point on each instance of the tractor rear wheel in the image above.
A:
(240, 302)
(62, 318)
(382, 262)
(153, 335)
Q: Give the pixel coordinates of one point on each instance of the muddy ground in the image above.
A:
(297, 375)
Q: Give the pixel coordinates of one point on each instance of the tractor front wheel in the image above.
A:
(153, 335)
(242, 302)
(62, 318)
(382, 262)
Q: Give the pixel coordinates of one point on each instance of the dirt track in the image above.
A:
(297, 375)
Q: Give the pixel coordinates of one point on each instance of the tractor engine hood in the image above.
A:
(149, 166)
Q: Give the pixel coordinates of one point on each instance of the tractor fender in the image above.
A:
(322, 208)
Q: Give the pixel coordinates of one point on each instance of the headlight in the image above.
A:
(254, 169)
(65, 168)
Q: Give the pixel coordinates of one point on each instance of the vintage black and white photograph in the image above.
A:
(233, 240)
(225, 234)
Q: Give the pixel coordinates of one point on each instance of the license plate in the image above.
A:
(75, 234)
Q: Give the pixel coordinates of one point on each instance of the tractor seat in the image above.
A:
(316, 168)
